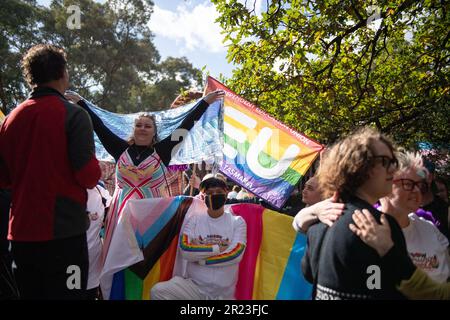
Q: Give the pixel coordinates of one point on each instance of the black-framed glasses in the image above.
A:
(408, 185)
(388, 162)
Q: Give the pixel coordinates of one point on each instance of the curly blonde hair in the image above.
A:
(346, 165)
(131, 140)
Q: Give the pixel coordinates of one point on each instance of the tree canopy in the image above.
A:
(111, 58)
(324, 67)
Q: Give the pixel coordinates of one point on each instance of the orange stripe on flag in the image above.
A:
(167, 261)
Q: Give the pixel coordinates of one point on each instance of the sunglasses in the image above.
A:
(388, 162)
(408, 185)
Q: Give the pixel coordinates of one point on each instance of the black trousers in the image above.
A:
(52, 270)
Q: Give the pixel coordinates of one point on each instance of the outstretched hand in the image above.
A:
(213, 96)
(377, 236)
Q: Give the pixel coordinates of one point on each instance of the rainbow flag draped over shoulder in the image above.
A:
(260, 153)
(144, 251)
(143, 247)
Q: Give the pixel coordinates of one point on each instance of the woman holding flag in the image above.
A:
(141, 162)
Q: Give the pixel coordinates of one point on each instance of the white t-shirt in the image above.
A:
(232, 195)
(96, 211)
(427, 247)
(215, 273)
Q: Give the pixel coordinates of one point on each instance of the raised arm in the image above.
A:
(165, 146)
(113, 144)
(81, 148)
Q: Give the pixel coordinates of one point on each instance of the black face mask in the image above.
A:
(215, 201)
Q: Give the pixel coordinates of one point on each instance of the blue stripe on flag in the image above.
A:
(118, 286)
(294, 286)
(157, 226)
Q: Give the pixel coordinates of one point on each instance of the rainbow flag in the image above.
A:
(144, 251)
(260, 153)
(271, 266)
(143, 246)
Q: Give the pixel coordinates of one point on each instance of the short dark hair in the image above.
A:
(43, 63)
(213, 183)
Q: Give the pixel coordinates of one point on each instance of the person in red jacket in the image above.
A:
(47, 159)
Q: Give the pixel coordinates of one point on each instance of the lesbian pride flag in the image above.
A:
(144, 251)
(262, 154)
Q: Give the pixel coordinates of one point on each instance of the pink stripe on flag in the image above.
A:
(252, 214)
(154, 211)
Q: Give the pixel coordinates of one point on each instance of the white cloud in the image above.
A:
(191, 27)
(281, 65)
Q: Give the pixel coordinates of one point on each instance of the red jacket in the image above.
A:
(47, 159)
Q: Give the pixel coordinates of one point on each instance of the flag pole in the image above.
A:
(191, 190)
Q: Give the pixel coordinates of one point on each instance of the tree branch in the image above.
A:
(332, 61)
(402, 120)
(358, 15)
(373, 54)
(338, 39)
(384, 41)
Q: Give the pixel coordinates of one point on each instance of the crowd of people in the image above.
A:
(370, 205)
(364, 171)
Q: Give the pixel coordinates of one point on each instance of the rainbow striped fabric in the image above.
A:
(144, 251)
(271, 266)
(260, 153)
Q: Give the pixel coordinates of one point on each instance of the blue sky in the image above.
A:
(187, 28)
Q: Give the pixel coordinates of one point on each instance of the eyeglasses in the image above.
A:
(388, 162)
(408, 185)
